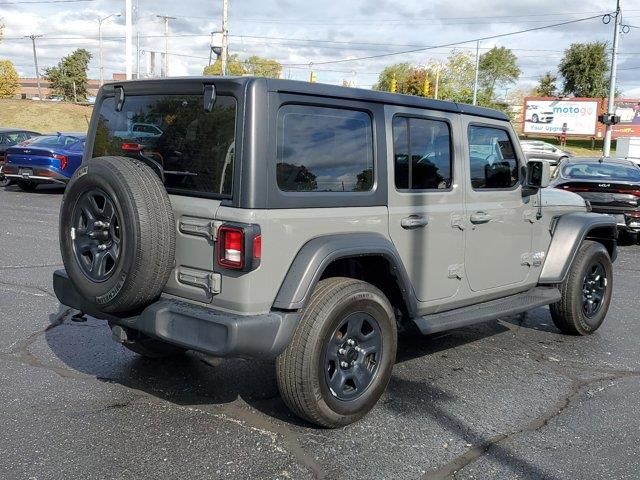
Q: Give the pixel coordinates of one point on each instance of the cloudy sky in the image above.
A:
(329, 33)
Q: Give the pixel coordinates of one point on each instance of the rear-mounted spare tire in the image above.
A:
(117, 234)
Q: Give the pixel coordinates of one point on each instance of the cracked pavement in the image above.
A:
(506, 399)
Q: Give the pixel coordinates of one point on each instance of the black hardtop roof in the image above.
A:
(324, 90)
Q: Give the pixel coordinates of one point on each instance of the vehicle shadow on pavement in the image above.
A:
(41, 190)
(191, 380)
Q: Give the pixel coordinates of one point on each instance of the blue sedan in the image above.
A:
(45, 159)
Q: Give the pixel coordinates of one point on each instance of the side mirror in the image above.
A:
(538, 174)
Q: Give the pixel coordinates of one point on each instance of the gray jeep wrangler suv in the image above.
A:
(310, 223)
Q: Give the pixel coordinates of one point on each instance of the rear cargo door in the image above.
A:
(195, 146)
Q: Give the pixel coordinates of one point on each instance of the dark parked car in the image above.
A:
(46, 159)
(10, 137)
(535, 149)
(611, 186)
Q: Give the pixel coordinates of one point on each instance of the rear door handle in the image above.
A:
(480, 217)
(414, 221)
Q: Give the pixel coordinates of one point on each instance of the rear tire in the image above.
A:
(27, 186)
(586, 292)
(4, 181)
(339, 361)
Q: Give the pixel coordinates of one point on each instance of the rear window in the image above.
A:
(195, 148)
(605, 171)
(54, 141)
(324, 150)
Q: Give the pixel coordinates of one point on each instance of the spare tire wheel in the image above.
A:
(117, 233)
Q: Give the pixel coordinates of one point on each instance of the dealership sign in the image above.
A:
(553, 117)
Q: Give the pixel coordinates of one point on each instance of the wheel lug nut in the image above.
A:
(344, 364)
(351, 342)
(102, 247)
(342, 351)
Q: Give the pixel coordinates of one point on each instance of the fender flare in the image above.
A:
(317, 254)
(568, 233)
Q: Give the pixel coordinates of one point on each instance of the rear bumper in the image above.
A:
(41, 174)
(196, 327)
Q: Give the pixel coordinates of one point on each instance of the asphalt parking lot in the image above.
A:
(507, 399)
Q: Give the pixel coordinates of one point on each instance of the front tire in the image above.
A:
(586, 292)
(339, 361)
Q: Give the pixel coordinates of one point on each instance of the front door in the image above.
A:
(500, 219)
(426, 200)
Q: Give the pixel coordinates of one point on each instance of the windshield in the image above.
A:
(195, 148)
(597, 170)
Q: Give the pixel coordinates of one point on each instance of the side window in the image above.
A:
(492, 158)
(324, 150)
(422, 154)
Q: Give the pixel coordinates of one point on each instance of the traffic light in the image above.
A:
(312, 77)
(425, 87)
(394, 85)
(608, 119)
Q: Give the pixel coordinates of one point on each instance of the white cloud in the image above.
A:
(388, 24)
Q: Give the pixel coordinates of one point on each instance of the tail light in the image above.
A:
(239, 247)
(64, 161)
(632, 214)
(131, 147)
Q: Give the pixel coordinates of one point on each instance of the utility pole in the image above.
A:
(35, 61)
(606, 149)
(435, 93)
(138, 55)
(475, 81)
(100, 20)
(166, 42)
(128, 33)
(225, 40)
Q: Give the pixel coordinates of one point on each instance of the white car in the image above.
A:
(536, 114)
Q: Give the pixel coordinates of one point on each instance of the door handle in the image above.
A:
(414, 221)
(480, 217)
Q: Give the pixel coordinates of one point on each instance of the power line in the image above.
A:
(490, 37)
(21, 2)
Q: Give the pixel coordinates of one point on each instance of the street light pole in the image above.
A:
(100, 20)
(128, 34)
(606, 149)
(166, 42)
(35, 61)
(225, 41)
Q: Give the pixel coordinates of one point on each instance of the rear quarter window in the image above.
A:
(195, 148)
(321, 149)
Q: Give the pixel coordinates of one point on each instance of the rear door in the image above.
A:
(500, 218)
(426, 200)
(196, 150)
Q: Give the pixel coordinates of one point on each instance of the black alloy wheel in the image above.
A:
(594, 288)
(352, 355)
(97, 235)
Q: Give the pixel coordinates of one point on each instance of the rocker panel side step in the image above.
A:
(492, 310)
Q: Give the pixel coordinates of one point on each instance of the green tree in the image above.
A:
(262, 67)
(498, 67)
(254, 65)
(401, 72)
(584, 69)
(69, 78)
(455, 77)
(234, 67)
(9, 82)
(547, 85)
